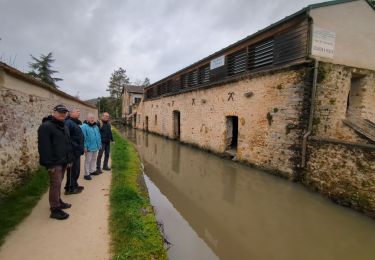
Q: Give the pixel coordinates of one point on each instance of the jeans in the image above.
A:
(106, 150)
(56, 175)
(72, 174)
(90, 159)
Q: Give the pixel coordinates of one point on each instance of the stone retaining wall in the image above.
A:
(23, 104)
(344, 173)
(268, 106)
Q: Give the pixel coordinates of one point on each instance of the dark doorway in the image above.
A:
(176, 124)
(146, 123)
(232, 133)
(355, 96)
(134, 120)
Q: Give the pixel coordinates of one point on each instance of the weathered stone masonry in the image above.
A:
(23, 104)
(269, 119)
(343, 166)
(272, 122)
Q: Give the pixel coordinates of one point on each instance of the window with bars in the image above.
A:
(193, 78)
(204, 74)
(160, 90)
(236, 62)
(261, 54)
(169, 86)
(184, 81)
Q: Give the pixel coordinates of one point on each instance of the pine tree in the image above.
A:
(146, 82)
(117, 82)
(41, 69)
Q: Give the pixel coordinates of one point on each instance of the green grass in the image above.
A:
(17, 205)
(133, 226)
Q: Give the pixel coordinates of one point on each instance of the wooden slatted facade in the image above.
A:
(272, 48)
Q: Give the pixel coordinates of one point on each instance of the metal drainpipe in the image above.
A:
(311, 116)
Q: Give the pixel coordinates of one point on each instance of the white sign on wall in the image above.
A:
(217, 62)
(323, 42)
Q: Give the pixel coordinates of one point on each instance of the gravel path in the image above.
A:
(83, 236)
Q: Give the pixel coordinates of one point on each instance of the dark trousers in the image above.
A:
(106, 150)
(56, 175)
(72, 174)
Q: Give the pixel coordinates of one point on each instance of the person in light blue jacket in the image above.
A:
(92, 144)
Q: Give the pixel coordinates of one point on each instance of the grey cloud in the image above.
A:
(149, 38)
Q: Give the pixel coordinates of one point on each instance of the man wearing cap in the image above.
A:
(55, 153)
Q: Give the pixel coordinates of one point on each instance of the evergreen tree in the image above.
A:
(117, 82)
(41, 69)
(146, 82)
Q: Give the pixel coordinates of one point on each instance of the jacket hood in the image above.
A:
(53, 120)
(47, 118)
(87, 123)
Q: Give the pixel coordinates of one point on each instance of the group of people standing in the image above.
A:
(62, 140)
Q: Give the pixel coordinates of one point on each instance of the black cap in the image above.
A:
(60, 108)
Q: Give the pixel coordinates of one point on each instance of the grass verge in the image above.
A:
(133, 226)
(18, 204)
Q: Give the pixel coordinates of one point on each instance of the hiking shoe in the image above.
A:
(106, 168)
(87, 177)
(95, 173)
(64, 205)
(59, 214)
(74, 191)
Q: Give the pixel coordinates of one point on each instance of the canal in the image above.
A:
(214, 208)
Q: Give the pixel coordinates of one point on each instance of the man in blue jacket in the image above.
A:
(92, 144)
(73, 123)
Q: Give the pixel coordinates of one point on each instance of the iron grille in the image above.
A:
(204, 74)
(193, 78)
(184, 81)
(236, 62)
(261, 54)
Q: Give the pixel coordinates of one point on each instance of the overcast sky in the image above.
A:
(92, 38)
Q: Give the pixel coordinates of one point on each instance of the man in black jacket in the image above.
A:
(55, 153)
(107, 138)
(73, 123)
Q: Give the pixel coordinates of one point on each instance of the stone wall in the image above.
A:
(22, 107)
(268, 107)
(273, 110)
(344, 173)
(340, 167)
(331, 106)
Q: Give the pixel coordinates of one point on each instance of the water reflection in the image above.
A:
(243, 213)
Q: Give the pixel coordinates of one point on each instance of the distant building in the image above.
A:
(131, 97)
(296, 98)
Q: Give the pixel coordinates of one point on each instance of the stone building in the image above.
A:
(24, 101)
(131, 97)
(296, 98)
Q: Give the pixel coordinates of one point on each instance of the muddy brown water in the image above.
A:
(213, 208)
